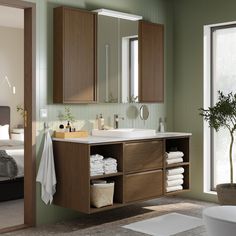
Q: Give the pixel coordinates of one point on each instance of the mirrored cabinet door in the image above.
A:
(116, 52)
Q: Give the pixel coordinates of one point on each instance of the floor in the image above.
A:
(109, 223)
(11, 213)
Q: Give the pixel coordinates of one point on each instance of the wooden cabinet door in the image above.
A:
(144, 185)
(74, 55)
(151, 62)
(143, 156)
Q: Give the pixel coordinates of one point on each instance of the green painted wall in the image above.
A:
(159, 11)
(189, 18)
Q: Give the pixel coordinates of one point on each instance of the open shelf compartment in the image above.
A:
(186, 184)
(180, 144)
(109, 150)
(118, 194)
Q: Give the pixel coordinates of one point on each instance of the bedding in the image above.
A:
(4, 132)
(13, 150)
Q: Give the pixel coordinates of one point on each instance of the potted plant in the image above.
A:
(223, 115)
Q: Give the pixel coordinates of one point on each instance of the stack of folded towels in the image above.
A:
(174, 179)
(96, 165)
(100, 165)
(110, 165)
(174, 157)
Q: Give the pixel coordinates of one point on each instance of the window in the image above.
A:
(129, 78)
(134, 68)
(220, 59)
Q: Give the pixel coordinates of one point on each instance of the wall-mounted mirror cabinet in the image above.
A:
(119, 59)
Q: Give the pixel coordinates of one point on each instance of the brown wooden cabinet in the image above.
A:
(141, 171)
(151, 62)
(143, 156)
(143, 185)
(74, 66)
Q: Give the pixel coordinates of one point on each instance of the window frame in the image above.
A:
(213, 29)
(131, 40)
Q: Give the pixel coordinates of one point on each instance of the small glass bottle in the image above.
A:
(68, 127)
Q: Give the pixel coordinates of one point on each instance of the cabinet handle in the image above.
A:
(107, 71)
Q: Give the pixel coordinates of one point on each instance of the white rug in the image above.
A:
(166, 225)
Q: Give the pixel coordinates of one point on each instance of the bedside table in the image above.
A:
(17, 134)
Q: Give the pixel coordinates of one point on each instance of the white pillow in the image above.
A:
(4, 132)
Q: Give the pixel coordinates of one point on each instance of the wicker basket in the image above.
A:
(102, 194)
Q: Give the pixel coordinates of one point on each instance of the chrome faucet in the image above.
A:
(116, 121)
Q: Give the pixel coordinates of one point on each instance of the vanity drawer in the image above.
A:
(143, 156)
(143, 185)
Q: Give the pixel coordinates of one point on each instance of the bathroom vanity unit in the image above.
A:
(141, 172)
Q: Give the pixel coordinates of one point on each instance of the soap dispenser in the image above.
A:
(96, 122)
(161, 126)
(101, 122)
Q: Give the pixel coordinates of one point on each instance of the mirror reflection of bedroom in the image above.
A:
(11, 117)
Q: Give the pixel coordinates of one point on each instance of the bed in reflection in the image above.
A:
(11, 161)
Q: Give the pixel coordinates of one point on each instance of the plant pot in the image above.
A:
(226, 194)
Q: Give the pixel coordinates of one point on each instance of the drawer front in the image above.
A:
(143, 156)
(143, 186)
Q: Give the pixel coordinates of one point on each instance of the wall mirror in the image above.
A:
(144, 112)
(117, 59)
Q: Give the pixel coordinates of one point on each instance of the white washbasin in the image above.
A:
(124, 133)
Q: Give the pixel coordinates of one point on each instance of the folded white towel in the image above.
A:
(175, 171)
(94, 173)
(174, 188)
(110, 171)
(174, 177)
(95, 165)
(96, 157)
(110, 165)
(110, 160)
(174, 160)
(170, 183)
(176, 154)
(94, 161)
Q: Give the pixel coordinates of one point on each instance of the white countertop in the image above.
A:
(97, 139)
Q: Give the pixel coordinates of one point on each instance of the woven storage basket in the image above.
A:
(102, 194)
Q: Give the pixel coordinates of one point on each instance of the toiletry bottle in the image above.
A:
(96, 123)
(161, 126)
(68, 127)
(100, 122)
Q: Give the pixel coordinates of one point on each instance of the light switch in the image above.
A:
(43, 113)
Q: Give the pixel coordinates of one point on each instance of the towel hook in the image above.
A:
(46, 126)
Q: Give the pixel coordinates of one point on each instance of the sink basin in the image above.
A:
(125, 133)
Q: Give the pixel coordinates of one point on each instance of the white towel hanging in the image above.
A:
(46, 173)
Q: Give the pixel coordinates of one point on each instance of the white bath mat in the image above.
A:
(166, 225)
